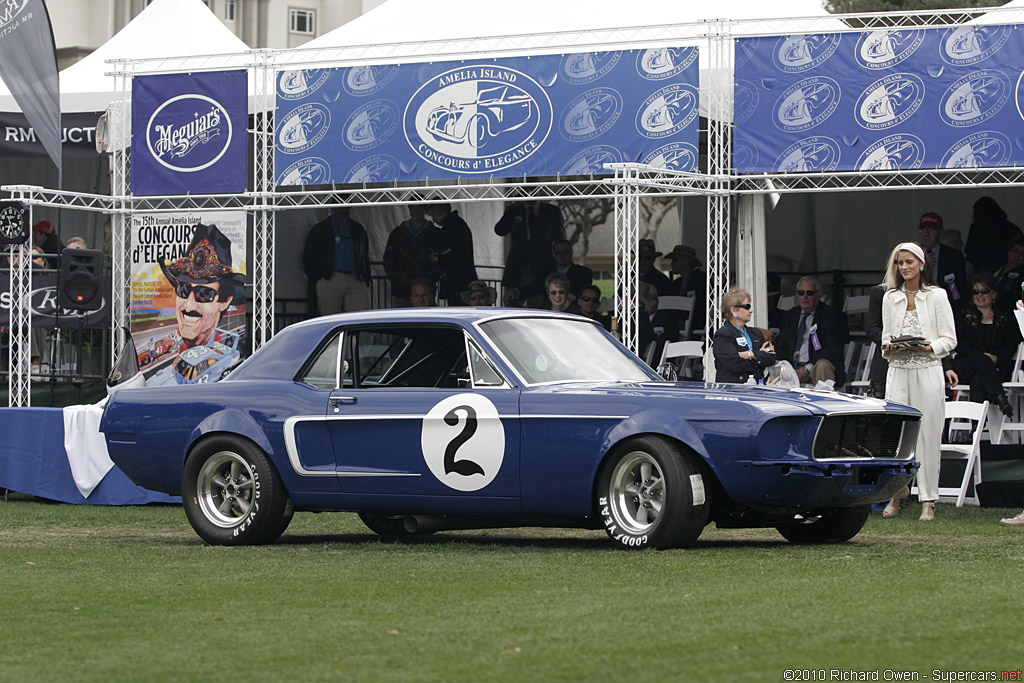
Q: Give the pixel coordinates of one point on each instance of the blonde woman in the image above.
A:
(915, 307)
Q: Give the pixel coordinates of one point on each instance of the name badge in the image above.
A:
(742, 341)
(950, 280)
(815, 342)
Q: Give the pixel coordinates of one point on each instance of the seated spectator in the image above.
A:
(76, 243)
(559, 299)
(579, 276)
(44, 236)
(646, 255)
(987, 341)
(1010, 276)
(422, 293)
(589, 303)
(741, 352)
(812, 337)
(479, 294)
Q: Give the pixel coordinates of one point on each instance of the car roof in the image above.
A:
(284, 354)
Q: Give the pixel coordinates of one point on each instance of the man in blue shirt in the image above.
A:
(337, 264)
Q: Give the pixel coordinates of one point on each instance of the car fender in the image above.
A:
(233, 421)
(658, 422)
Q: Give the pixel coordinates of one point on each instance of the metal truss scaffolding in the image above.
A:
(629, 184)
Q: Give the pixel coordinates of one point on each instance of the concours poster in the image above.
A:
(163, 324)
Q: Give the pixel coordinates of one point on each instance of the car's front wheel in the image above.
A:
(233, 495)
(828, 526)
(652, 495)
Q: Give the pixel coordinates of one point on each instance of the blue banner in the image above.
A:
(546, 115)
(189, 133)
(888, 99)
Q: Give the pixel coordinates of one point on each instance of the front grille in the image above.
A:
(859, 436)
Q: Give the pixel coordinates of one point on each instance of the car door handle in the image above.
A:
(335, 400)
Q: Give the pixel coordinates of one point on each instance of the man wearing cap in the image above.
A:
(945, 265)
(646, 255)
(44, 236)
(579, 276)
(479, 294)
(531, 228)
(204, 286)
(337, 264)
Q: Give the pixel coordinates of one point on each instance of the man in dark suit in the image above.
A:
(946, 265)
(812, 336)
(531, 228)
(873, 327)
(579, 276)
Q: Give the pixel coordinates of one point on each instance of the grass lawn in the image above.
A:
(96, 593)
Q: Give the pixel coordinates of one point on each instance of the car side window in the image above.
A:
(323, 371)
(484, 374)
(414, 356)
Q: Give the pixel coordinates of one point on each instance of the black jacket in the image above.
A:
(529, 258)
(873, 325)
(457, 267)
(729, 367)
(832, 331)
(318, 255)
(952, 275)
(989, 234)
(1003, 345)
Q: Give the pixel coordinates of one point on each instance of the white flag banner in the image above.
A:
(28, 65)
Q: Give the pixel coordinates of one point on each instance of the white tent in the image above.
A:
(167, 28)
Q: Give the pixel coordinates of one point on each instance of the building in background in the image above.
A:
(80, 26)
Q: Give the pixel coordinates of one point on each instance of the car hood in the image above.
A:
(814, 401)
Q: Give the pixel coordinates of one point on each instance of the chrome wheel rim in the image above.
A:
(226, 489)
(637, 492)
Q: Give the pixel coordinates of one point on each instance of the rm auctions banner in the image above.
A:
(44, 310)
(164, 256)
(189, 133)
(889, 99)
(546, 115)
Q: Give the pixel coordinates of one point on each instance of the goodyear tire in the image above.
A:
(651, 495)
(830, 526)
(233, 495)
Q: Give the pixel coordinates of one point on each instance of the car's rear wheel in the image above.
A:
(478, 131)
(233, 495)
(829, 526)
(652, 495)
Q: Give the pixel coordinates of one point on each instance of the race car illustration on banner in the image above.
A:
(424, 420)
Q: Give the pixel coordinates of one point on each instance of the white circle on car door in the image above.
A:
(463, 442)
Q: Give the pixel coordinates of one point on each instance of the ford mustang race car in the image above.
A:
(424, 420)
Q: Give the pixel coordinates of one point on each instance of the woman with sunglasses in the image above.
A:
(740, 350)
(557, 288)
(987, 340)
(913, 307)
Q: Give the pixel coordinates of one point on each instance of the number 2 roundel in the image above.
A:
(463, 442)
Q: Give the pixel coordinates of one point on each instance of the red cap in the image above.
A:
(44, 226)
(930, 220)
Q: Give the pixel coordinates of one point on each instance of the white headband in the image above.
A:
(913, 248)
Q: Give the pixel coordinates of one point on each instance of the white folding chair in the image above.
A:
(862, 371)
(786, 303)
(1002, 426)
(856, 305)
(686, 351)
(682, 304)
(970, 453)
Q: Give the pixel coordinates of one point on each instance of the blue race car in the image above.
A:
(430, 419)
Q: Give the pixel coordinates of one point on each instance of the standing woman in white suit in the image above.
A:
(914, 306)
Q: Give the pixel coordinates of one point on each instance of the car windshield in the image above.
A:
(557, 350)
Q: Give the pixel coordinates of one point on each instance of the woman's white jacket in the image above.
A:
(933, 311)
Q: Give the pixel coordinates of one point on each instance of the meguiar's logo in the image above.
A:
(478, 119)
(189, 132)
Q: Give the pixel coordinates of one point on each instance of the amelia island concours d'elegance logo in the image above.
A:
(985, 149)
(660, 63)
(294, 85)
(890, 101)
(893, 153)
(975, 98)
(307, 171)
(806, 104)
(188, 133)
(971, 44)
(302, 128)
(886, 47)
(810, 155)
(797, 53)
(478, 119)
(585, 67)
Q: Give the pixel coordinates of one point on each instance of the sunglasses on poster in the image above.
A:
(204, 294)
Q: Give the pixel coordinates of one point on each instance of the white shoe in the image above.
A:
(1013, 521)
